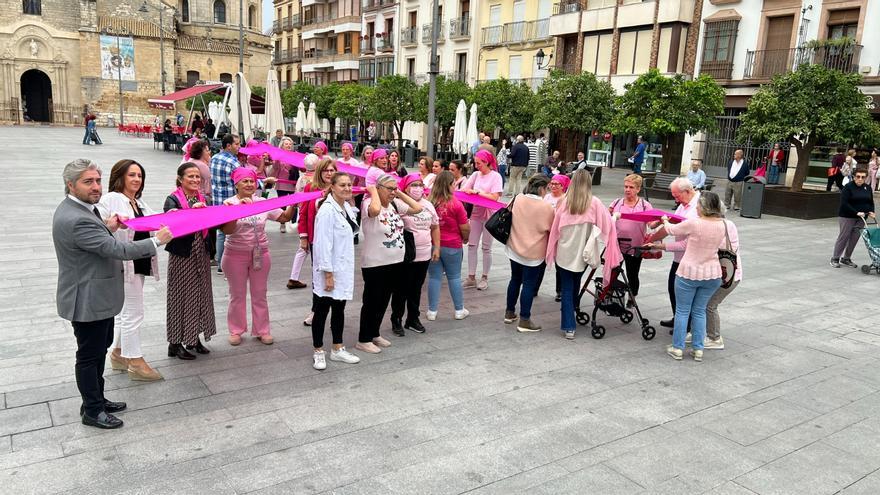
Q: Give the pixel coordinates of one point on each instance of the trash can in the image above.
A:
(752, 200)
(409, 156)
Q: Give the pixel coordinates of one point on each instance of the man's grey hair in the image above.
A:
(681, 184)
(520, 139)
(74, 169)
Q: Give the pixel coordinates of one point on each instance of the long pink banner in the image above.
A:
(294, 158)
(651, 216)
(183, 222)
(477, 200)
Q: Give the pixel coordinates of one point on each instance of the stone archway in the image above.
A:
(36, 96)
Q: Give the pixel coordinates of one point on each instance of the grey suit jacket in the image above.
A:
(90, 280)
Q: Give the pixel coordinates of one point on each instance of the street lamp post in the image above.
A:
(119, 61)
(433, 69)
(240, 69)
(539, 59)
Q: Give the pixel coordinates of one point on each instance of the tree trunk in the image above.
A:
(399, 128)
(803, 163)
(672, 152)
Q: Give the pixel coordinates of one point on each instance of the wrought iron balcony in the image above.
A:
(426, 33)
(460, 28)
(491, 35)
(276, 26)
(385, 43)
(764, 64)
(367, 46)
(409, 36)
(569, 6)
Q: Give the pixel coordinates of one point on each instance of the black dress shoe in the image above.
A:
(667, 323)
(558, 298)
(114, 407)
(199, 348)
(177, 350)
(415, 325)
(397, 328)
(104, 420)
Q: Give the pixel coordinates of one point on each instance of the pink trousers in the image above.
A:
(238, 266)
(298, 261)
(478, 231)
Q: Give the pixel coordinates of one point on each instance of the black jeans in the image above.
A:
(836, 179)
(379, 282)
(286, 193)
(670, 284)
(322, 307)
(633, 264)
(408, 292)
(92, 340)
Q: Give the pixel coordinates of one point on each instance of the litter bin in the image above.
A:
(409, 156)
(752, 200)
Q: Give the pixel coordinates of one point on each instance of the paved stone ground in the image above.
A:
(791, 406)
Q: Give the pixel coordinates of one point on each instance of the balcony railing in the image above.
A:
(569, 6)
(385, 43)
(426, 33)
(367, 46)
(309, 21)
(516, 32)
(600, 4)
(764, 64)
(315, 55)
(460, 28)
(409, 36)
(276, 26)
(296, 21)
(491, 35)
(456, 76)
(288, 56)
(369, 4)
(570, 68)
(719, 70)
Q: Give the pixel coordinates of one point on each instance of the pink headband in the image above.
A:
(243, 173)
(407, 180)
(488, 158)
(322, 145)
(379, 153)
(347, 145)
(562, 179)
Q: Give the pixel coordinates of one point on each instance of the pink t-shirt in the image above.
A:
(553, 200)
(489, 183)
(630, 229)
(420, 225)
(382, 236)
(250, 230)
(373, 175)
(452, 216)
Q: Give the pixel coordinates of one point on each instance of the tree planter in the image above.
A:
(806, 204)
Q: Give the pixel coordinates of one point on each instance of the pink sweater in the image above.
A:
(700, 260)
(532, 219)
(566, 225)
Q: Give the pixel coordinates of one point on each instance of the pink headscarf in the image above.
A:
(487, 157)
(347, 145)
(322, 145)
(379, 153)
(562, 179)
(243, 173)
(405, 181)
(187, 146)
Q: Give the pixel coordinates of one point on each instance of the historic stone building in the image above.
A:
(61, 57)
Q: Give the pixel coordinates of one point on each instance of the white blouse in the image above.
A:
(118, 204)
(333, 250)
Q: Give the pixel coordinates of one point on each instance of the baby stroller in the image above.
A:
(871, 236)
(611, 298)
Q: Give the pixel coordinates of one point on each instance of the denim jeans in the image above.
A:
(773, 176)
(571, 285)
(221, 241)
(525, 277)
(449, 262)
(502, 169)
(691, 299)
(86, 139)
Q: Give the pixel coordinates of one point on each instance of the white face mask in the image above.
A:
(416, 192)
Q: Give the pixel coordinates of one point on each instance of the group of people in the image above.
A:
(410, 228)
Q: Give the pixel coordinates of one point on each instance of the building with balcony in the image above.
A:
(287, 42)
(454, 41)
(378, 39)
(509, 36)
(329, 41)
(744, 43)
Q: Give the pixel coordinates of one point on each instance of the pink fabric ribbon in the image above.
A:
(477, 200)
(186, 221)
(294, 158)
(651, 216)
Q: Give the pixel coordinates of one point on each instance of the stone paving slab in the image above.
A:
(792, 405)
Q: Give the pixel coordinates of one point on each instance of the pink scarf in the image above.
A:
(184, 203)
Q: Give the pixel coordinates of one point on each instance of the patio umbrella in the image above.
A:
(274, 111)
(300, 118)
(241, 90)
(472, 135)
(312, 124)
(459, 130)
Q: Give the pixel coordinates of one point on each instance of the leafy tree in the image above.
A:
(668, 107)
(503, 105)
(259, 91)
(577, 102)
(807, 106)
(197, 102)
(324, 97)
(449, 93)
(393, 100)
(351, 104)
(290, 97)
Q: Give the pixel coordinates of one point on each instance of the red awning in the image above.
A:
(166, 102)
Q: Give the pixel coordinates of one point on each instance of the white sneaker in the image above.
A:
(320, 361)
(431, 315)
(688, 338)
(713, 344)
(569, 335)
(461, 314)
(344, 356)
(483, 284)
(308, 321)
(283, 228)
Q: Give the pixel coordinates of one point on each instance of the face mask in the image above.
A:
(416, 192)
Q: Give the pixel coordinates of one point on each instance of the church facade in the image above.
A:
(62, 58)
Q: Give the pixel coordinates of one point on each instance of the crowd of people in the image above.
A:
(409, 228)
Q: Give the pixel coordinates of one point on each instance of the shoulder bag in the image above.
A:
(727, 258)
(501, 222)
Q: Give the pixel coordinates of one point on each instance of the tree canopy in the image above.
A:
(290, 97)
(351, 102)
(393, 100)
(806, 106)
(579, 102)
(324, 96)
(504, 105)
(449, 93)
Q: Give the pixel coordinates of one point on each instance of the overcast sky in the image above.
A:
(267, 14)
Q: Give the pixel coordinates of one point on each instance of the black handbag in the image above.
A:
(500, 223)
(727, 258)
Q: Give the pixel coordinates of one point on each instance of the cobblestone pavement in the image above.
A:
(790, 406)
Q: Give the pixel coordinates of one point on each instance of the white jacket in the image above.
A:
(333, 250)
(117, 203)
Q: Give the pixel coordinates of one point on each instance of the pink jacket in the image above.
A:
(597, 215)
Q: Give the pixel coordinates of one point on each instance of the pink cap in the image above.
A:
(243, 173)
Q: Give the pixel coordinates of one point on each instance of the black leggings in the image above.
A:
(835, 179)
(322, 306)
(408, 292)
(379, 282)
(633, 264)
(670, 284)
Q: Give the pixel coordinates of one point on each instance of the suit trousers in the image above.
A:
(92, 340)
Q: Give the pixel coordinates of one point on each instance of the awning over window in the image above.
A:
(166, 102)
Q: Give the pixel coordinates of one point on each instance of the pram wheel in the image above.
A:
(598, 332)
(866, 269)
(626, 317)
(582, 318)
(648, 332)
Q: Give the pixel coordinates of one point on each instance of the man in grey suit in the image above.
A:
(90, 284)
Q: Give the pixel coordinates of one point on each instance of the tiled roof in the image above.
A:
(133, 27)
(186, 42)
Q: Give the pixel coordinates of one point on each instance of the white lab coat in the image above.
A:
(333, 250)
